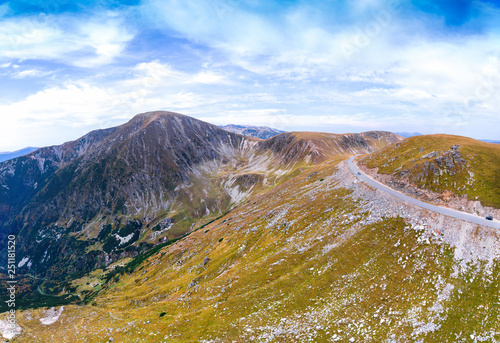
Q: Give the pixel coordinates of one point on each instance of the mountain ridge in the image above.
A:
(117, 192)
(8, 155)
(262, 132)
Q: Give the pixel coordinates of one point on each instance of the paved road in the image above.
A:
(443, 210)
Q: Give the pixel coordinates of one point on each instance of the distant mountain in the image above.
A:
(5, 156)
(408, 134)
(490, 141)
(262, 132)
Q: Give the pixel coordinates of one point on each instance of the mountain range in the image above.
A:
(167, 228)
(4, 156)
(262, 132)
(117, 192)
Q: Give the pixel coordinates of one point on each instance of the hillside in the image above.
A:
(443, 168)
(316, 147)
(116, 193)
(319, 258)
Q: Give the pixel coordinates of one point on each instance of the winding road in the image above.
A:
(439, 209)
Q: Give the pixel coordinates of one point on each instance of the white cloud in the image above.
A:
(30, 73)
(83, 42)
(80, 106)
(208, 77)
(287, 69)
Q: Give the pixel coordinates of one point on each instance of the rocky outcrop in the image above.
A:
(450, 162)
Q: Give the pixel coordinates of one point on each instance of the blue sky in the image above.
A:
(67, 67)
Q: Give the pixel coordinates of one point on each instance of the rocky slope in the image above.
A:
(262, 132)
(115, 193)
(455, 171)
(319, 258)
(316, 147)
(5, 156)
(24, 177)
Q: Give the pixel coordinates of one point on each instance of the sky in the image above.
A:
(69, 67)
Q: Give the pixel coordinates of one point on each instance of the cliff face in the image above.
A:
(102, 197)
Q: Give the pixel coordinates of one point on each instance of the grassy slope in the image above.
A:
(482, 159)
(295, 264)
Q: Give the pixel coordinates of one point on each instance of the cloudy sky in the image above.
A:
(67, 67)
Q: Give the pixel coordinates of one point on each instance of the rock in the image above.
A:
(449, 162)
(420, 150)
(455, 147)
(165, 223)
(431, 154)
(434, 168)
(205, 261)
(311, 175)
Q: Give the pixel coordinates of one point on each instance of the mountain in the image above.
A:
(316, 146)
(118, 192)
(456, 171)
(25, 176)
(5, 156)
(490, 141)
(320, 257)
(262, 132)
(408, 134)
(211, 236)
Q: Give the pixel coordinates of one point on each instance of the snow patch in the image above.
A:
(51, 316)
(8, 330)
(125, 239)
(236, 195)
(23, 262)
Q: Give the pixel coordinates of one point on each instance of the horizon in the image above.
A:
(400, 133)
(410, 134)
(68, 68)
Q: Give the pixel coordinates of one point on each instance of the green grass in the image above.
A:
(482, 160)
(292, 267)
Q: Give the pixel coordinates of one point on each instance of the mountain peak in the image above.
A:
(142, 120)
(154, 115)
